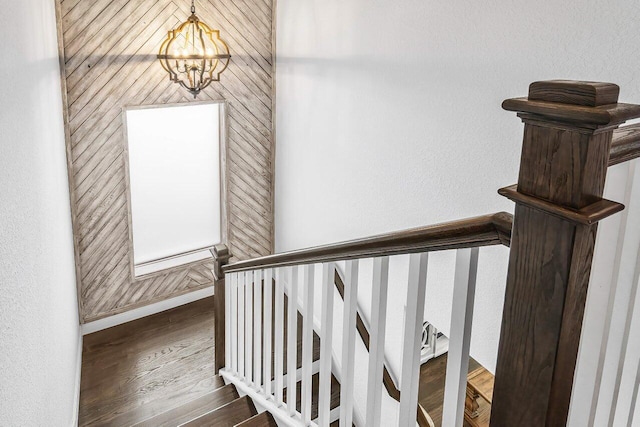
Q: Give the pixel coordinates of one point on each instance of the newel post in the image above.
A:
(220, 258)
(567, 138)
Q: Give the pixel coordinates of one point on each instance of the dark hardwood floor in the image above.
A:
(431, 391)
(140, 369)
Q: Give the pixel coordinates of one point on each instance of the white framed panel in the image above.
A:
(175, 172)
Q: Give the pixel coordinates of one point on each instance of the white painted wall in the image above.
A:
(388, 117)
(389, 112)
(39, 329)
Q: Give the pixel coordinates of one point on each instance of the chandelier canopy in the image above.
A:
(193, 54)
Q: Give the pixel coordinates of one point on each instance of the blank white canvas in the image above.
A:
(174, 169)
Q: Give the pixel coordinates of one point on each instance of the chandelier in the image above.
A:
(193, 54)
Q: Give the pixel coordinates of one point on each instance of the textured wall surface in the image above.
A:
(110, 49)
(39, 328)
(389, 117)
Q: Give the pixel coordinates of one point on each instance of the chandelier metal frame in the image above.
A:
(193, 54)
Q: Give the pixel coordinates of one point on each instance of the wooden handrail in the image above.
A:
(486, 230)
(625, 144)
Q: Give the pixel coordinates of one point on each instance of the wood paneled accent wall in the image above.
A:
(108, 56)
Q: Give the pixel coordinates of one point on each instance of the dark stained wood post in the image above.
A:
(565, 154)
(220, 258)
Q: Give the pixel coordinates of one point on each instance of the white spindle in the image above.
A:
(307, 343)
(248, 286)
(634, 397)
(279, 337)
(268, 313)
(326, 343)
(376, 349)
(414, 318)
(604, 397)
(241, 311)
(464, 287)
(292, 338)
(233, 323)
(257, 327)
(349, 343)
(227, 321)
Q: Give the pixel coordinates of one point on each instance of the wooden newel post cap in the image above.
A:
(589, 94)
(583, 104)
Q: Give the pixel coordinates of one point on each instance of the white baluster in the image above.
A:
(292, 338)
(349, 343)
(233, 324)
(241, 312)
(248, 286)
(279, 337)
(257, 327)
(376, 349)
(464, 287)
(227, 321)
(414, 318)
(326, 337)
(268, 313)
(634, 397)
(307, 342)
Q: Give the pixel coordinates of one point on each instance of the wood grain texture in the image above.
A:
(565, 156)
(591, 94)
(625, 145)
(109, 48)
(227, 416)
(587, 215)
(588, 117)
(193, 409)
(431, 388)
(221, 257)
(472, 232)
(481, 381)
(264, 419)
(144, 368)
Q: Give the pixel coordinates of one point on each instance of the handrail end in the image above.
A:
(503, 224)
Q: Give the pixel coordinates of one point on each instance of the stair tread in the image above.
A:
(241, 409)
(197, 407)
(264, 419)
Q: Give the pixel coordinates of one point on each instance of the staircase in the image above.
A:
(226, 406)
(223, 407)
(569, 141)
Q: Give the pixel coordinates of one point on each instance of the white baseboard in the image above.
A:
(76, 404)
(147, 310)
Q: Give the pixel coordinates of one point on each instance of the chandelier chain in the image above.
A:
(193, 6)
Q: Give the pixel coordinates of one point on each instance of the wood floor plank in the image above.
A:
(193, 409)
(229, 415)
(141, 369)
(264, 419)
(431, 388)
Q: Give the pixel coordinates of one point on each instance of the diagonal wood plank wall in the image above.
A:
(108, 55)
